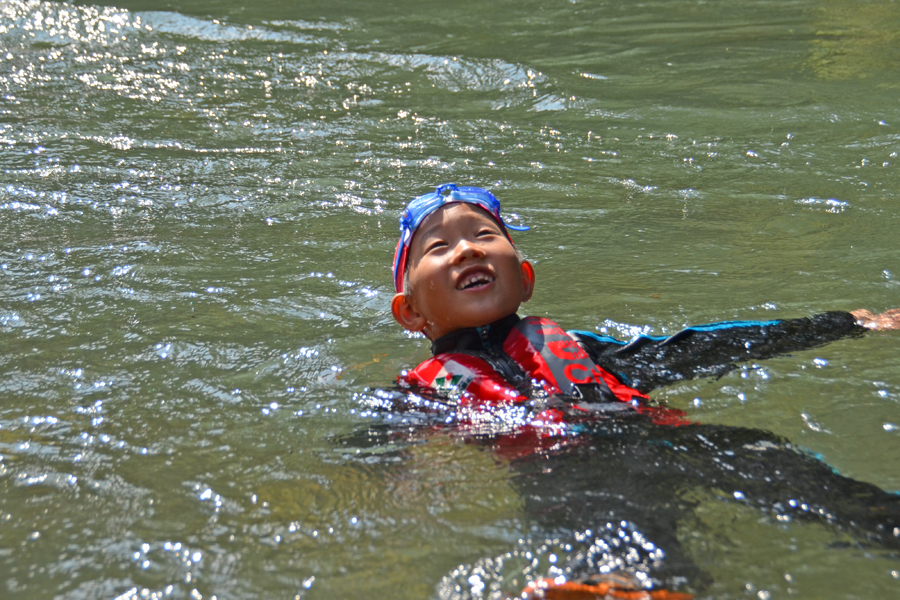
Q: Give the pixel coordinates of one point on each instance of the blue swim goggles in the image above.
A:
(422, 206)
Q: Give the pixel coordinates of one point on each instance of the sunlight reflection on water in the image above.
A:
(197, 213)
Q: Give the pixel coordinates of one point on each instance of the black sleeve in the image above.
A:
(649, 362)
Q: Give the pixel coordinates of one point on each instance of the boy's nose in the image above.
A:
(466, 249)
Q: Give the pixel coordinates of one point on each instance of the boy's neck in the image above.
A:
(474, 339)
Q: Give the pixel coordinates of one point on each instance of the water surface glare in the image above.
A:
(198, 206)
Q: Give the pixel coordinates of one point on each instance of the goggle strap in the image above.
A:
(516, 227)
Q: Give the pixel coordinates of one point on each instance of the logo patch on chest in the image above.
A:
(452, 383)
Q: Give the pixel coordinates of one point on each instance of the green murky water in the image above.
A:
(198, 208)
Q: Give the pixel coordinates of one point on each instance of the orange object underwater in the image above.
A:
(612, 586)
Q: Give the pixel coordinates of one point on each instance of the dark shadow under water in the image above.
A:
(649, 475)
(624, 486)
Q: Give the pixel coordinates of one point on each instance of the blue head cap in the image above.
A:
(422, 206)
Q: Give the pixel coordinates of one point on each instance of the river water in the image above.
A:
(198, 208)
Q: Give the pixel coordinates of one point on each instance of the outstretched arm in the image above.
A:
(649, 362)
(889, 319)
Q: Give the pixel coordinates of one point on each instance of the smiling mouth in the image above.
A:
(475, 280)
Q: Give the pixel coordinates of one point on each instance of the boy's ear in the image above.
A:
(527, 280)
(405, 314)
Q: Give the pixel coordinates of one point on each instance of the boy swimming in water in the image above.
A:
(460, 281)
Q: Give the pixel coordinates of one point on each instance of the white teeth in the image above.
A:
(476, 279)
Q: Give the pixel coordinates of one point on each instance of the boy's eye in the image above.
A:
(487, 231)
(434, 245)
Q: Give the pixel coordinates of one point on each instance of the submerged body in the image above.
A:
(595, 452)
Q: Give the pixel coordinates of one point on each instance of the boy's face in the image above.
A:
(463, 272)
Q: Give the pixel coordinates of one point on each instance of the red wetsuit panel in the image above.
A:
(521, 350)
(475, 381)
(547, 355)
(554, 358)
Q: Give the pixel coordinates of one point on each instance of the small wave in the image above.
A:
(617, 547)
(215, 31)
(315, 26)
(830, 205)
(454, 73)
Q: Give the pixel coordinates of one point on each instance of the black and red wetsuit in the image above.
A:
(586, 448)
(579, 373)
(585, 444)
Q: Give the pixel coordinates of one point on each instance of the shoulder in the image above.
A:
(536, 327)
(450, 371)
